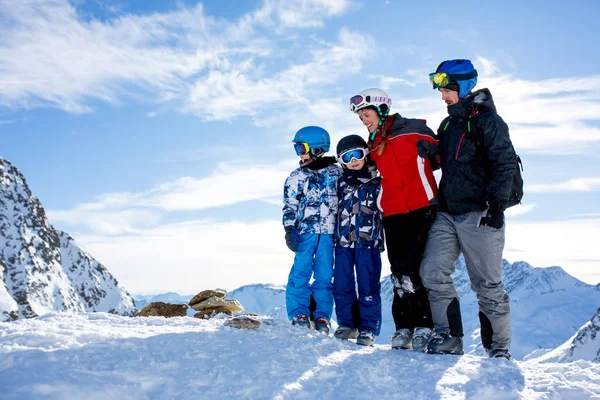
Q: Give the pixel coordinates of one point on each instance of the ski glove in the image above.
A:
(494, 218)
(289, 238)
(402, 285)
(429, 151)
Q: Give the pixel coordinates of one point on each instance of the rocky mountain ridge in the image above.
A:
(42, 269)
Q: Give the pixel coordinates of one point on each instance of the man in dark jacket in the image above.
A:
(478, 162)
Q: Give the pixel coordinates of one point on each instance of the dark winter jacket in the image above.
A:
(477, 166)
(407, 179)
(359, 222)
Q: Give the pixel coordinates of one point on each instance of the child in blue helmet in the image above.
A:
(358, 244)
(309, 214)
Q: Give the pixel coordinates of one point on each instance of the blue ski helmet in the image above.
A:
(314, 136)
(461, 72)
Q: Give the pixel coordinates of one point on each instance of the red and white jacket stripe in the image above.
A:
(407, 179)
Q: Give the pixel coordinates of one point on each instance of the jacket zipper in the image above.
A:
(459, 144)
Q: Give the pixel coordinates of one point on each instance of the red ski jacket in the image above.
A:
(407, 179)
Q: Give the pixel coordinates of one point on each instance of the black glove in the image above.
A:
(429, 151)
(494, 218)
(289, 238)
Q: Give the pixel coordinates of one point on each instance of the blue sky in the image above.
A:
(157, 132)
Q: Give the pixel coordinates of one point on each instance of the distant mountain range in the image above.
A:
(42, 269)
(548, 307)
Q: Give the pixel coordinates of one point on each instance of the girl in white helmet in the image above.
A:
(409, 203)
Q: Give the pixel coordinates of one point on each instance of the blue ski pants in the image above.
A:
(314, 258)
(368, 275)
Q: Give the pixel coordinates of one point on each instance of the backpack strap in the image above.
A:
(445, 123)
(476, 135)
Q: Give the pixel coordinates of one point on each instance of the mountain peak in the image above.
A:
(43, 269)
(584, 345)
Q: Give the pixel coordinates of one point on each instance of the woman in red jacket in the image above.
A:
(409, 202)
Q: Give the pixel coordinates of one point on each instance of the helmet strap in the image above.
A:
(316, 153)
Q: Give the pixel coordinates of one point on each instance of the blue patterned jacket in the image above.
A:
(359, 222)
(310, 202)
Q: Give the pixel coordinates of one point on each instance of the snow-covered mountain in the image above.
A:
(548, 306)
(584, 345)
(262, 299)
(43, 269)
(258, 298)
(142, 301)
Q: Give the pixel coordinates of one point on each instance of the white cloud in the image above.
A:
(239, 91)
(573, 185)
(107, 222)
(50, 56)
(302, 13)
(520, 209)
(230, 183)
(549, 116)
(386, 82)
(570, 244)
(196, 255)
(220, 69)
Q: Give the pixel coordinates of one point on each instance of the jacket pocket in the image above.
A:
(466, 150)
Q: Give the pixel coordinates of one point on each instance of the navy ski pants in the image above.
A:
(368, 274)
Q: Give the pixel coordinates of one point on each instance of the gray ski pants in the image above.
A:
(482, 248)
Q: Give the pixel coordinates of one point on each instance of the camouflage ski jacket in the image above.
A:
(310, 202)
(359, 222)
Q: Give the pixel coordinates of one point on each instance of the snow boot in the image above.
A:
(345, 332)
(499, 353)
(366, 338)
(443, 343)
(322, 325)
(402, 339)
(420, 339)
(301, 320)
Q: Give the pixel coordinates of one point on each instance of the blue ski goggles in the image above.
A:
(301, 148)
(354, 154)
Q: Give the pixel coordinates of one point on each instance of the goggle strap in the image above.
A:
(463, 77)
(459, 77)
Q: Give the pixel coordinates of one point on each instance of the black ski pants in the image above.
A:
(405, 238)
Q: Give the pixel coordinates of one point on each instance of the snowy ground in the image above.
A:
(102, 356)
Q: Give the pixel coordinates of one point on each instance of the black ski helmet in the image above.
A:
(350, 142)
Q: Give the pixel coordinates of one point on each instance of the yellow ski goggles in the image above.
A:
(443, 79)
(439, 79)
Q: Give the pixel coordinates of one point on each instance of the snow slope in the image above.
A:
(100, 355)
(584, 345)
(548, 306)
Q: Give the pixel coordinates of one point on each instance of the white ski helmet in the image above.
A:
(371, 98)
